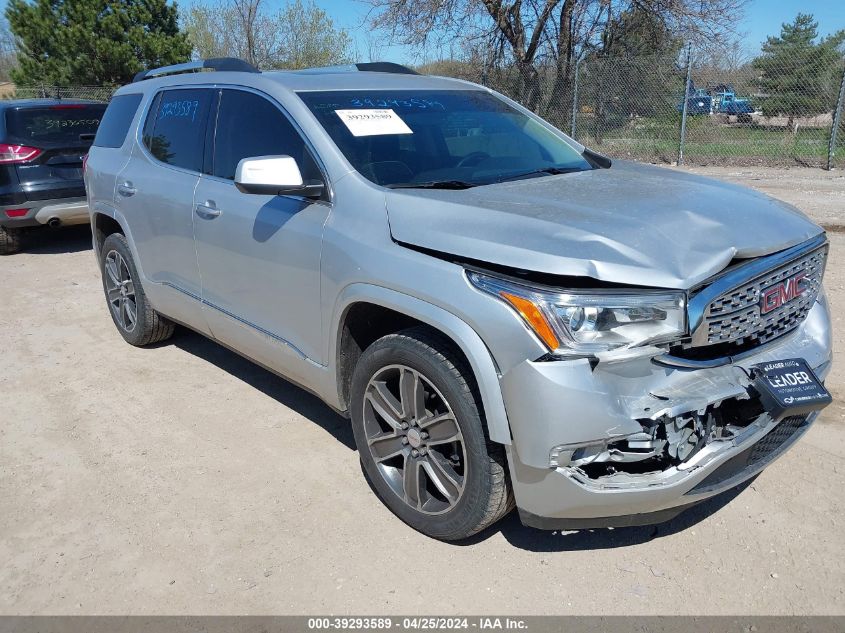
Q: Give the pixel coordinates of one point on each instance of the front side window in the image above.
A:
(248, 126)
(175, 128)
(458, 137)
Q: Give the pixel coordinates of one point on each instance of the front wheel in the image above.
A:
(419, 433)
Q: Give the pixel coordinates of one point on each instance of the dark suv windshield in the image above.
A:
(455, 138)
(61, 124)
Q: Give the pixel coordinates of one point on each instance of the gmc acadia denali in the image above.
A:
(506, 317)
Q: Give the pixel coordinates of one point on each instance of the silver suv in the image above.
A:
(507, 318)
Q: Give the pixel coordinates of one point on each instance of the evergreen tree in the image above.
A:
(93, 42)
(799, 75)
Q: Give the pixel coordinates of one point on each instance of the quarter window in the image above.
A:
(116, 120)
(175, 128)
(248, 126)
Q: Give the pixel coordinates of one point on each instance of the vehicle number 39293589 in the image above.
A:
(429, 623)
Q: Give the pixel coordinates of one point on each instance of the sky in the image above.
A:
(762, 18)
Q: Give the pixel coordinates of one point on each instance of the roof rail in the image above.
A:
(217, 63)
(373, 67)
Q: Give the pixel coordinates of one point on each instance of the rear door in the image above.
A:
(110, 151)
(155, 191)
(62, 133)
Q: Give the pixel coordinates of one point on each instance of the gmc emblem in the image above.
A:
(782, 293)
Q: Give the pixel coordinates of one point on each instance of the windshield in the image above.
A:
(64, 124)
(455, 138)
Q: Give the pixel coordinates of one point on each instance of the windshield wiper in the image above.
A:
(550, 171)
(434, 184)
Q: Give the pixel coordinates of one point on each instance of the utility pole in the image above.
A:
(686, 105)
(837, 120)
(573, 124)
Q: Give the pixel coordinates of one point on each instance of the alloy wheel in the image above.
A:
(415, 440)
(120, 291)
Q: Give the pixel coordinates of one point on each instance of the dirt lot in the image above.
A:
(183, 479)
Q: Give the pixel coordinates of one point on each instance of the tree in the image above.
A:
(239, 29)
(299, 35)
(310, 37)
(633, 72)
(93, 42)
(799, 74)
(532, 34)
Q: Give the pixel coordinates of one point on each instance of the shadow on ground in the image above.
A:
(282, 391)
(47, 241)
(312, 408)
(604, 538)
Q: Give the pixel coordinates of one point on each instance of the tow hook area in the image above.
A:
(665, 442)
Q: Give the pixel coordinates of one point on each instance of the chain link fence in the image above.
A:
(637, 108)
(93, 93)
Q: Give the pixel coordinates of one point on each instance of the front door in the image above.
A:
(259, 255)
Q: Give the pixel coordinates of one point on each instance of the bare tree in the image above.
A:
(247, 14)
(309, 37)
(300, 34)
(8, 51)
(530, 34)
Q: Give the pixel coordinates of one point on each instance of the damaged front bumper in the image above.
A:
(630, 441)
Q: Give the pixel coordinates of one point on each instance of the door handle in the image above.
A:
(126, 189)
(207, 210)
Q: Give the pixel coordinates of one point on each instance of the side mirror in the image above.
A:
(274, 175)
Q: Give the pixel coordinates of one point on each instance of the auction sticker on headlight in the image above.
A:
(789, 387)
(373, 122)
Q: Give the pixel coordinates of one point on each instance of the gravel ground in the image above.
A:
(183, 479)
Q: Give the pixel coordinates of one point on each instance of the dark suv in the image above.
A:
(42, 146)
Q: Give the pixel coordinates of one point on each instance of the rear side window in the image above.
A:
(61, 124)
(116, 120)
(265, 131)
(175, 128)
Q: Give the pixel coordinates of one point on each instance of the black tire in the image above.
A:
(11, 240)
(486, 495)
(148, 326)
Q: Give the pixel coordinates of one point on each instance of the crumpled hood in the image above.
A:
(630, 224)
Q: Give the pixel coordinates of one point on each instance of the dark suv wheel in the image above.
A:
(10, 240)
(130, 310)
(418, 427)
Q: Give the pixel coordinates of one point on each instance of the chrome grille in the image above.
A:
(735, 315)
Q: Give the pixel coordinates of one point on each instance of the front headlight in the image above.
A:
(583, 322)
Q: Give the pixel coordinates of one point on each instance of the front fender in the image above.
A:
(480, 360)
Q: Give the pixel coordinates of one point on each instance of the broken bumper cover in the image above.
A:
(559, 410)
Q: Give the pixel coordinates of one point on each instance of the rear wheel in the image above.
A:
(130, 310)
(419, 432)
(10, 240)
